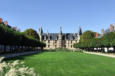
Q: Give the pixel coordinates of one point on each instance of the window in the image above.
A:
(48, 46)
(71, 46)
(50, 38)
(55, 41)
(65, 46)
(71, 41)
(42, 37)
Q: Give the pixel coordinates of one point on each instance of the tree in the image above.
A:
(89, 42)
(108, 39)
(9, 37)
(31, 33)
(87, 35)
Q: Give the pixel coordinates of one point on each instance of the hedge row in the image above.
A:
(108, 40)
(10, 37)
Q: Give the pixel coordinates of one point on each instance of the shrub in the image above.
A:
(15, 68)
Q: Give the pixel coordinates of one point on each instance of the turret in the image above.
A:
(40, 33)
(60, 33)
(47, 32)
(60, 30)
(48, 35)
(80, 31)
(79, 34)
(60, 38)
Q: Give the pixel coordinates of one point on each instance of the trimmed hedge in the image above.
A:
(10, 37)
(108, 40)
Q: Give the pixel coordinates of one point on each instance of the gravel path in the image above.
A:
(102, 54)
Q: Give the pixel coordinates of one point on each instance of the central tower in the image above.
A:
(60, 38)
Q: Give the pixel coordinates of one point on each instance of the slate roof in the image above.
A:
(54, 36)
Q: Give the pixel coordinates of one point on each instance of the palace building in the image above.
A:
(59, 40)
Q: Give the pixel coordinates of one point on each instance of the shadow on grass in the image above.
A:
(49, 50)
(21, 57)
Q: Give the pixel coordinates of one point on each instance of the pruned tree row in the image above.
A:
(17, 40)
(90, 43)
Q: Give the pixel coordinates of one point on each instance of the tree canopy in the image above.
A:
(10, 37)
(87, 35)
(31, 33)
(89, 41)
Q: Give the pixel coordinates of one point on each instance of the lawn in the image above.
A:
(70, 64)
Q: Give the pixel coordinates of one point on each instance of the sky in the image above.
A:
(51, 14)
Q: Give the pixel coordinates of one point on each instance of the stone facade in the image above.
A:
(59, 40)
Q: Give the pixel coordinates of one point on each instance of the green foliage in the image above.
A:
(89, 43)
(109, 39)
(10, 37)
(88, 40)
(87, 35)
(31, 33)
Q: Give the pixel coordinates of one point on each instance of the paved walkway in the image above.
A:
(18, 54)
(102, 54)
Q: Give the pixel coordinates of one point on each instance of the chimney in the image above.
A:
(111, 28)
(102, 31)
(1, 20)
(97, 34)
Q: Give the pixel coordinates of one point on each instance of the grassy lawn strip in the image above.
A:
(70, 64)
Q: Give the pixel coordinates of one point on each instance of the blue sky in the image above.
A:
(51, 14)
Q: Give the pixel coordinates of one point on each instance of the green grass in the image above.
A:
(70, 64)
